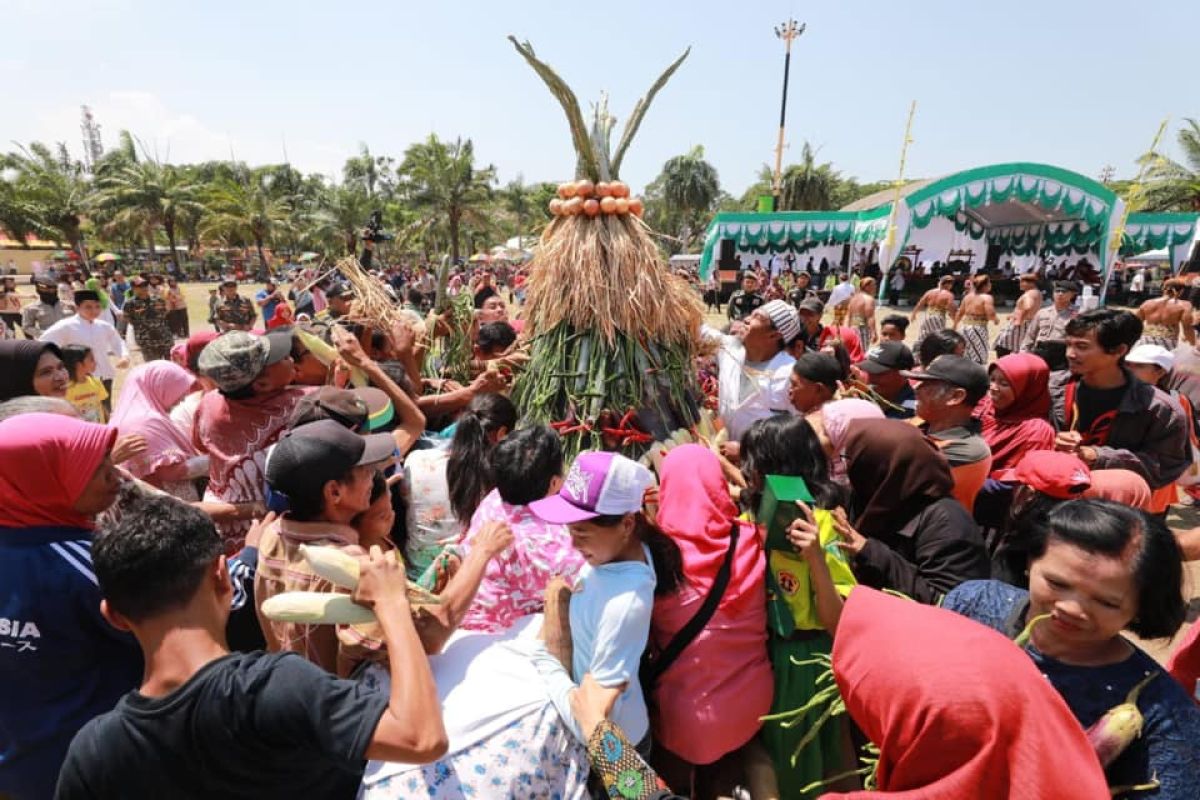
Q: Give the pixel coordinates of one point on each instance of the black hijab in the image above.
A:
(18, 363)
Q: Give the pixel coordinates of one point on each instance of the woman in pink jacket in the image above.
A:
(707, 703)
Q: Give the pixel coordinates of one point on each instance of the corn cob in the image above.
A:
(316, 608)
(341, 569)
(332, 564)
(326, 354)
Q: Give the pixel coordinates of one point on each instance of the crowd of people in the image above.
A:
(691, 624)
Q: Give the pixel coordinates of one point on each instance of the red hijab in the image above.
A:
(1024, 425)
(46, 460)
(956, 709)
(696, 511)
(282, 317)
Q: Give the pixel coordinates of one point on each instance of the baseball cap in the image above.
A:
(597, 484)
(229, 282)
(234, 359)
(1068, 286)
(819, 368)
(338, 290)
(308, 457)
(138, 280)
(887, 356)
(783, 317)
(1063, 476)
(1151, 354)
(812, 305)
(956, 371)
(365, 409)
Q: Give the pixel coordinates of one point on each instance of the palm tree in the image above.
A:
(49, 193)
(807, 186)
(250, 210)
(518, 201)
(690, 187)
(19, 217)
(163, 194)
(1174, 185)
(373, 174)
(441, 178)
(341, 216)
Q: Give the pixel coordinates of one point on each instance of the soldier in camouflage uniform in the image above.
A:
(147, 314)
(234, 312)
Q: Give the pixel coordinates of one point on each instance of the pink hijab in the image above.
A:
(836, 417)
(46, 460)
(696, 511)
(144, 407)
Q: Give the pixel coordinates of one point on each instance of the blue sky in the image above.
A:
(1072, 83)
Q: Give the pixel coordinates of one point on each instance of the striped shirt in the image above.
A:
(281, 568)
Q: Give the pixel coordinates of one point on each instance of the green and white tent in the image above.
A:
(1175, 234)
(1025, 208)
(790, 232)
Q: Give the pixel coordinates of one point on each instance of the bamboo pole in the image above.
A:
(1134, 198)
(890, 241)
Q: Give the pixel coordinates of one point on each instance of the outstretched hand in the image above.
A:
(381, 581)
(128, 446)
(852, 541)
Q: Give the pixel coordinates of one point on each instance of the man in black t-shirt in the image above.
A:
(1104, 414)
(208, 723)
(743, 302)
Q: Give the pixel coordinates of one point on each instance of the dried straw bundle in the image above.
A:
(373, 306)
(605, 273)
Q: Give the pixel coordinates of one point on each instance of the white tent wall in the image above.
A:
(938, 238)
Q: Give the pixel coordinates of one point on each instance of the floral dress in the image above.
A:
(515, 581)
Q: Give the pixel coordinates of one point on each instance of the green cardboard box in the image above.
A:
(778, 509)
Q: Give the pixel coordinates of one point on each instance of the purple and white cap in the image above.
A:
(597, 484)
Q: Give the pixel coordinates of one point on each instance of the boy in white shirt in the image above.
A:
(87, 329)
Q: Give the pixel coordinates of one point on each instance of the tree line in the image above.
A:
(435, 199)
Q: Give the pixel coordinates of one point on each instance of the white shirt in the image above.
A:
(610, 625)
(99, 335)
(750, 391)
(841, 294)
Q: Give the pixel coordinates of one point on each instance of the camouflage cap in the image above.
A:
(234, 359)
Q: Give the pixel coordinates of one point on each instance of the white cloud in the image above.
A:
(179, 137)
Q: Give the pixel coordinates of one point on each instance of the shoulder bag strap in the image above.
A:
(688, 632)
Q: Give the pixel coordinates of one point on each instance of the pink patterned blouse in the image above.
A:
(514, 582)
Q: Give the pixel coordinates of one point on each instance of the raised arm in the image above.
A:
(411, 729)
(412, 421)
